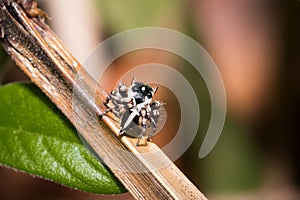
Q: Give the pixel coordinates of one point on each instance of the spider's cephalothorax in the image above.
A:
(134, 106)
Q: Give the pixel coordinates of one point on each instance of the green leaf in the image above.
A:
(35, 137)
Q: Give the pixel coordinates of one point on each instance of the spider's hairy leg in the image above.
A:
(141, 136)
(143, 121)
(153, 131)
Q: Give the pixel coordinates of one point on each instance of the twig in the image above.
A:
(43, 57)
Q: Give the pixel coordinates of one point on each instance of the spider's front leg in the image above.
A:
(153, 131)
(138, 143)
(143, 122)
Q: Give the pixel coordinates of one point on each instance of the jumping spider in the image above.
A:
(137, 111)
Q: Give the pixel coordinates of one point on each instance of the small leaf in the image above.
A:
(35, 137)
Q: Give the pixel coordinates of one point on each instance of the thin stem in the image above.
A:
(145, 171)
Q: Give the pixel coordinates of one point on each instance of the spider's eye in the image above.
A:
(146, 91)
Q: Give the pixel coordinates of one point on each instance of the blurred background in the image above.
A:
(256, 46)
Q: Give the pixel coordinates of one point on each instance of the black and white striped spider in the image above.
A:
(134, 106)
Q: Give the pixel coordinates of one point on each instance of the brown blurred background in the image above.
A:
(256, 46)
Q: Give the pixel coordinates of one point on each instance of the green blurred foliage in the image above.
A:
(119, 16)
(235, 164)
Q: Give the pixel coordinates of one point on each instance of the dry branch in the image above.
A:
(43, 57)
